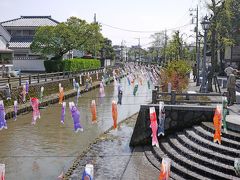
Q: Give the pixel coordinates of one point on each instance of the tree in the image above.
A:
(53, 41)
(107, 51)
(157, 44)
(223, 31)
(74, 34)
(174, 47)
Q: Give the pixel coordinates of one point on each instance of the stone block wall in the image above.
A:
(50, 87)
(178, 117)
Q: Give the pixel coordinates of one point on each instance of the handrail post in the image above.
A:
(9, 80)
(38, 78)
(20, 79)
(173, 97)
(30, 79)
(45, 77)
(157, 88)
(154, 96)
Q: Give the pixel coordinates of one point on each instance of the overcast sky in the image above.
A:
(134, 15)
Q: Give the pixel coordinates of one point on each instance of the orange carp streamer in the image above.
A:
(165, 169)
(217, 122)
(61, 95)
(94, 111)
(114, 114)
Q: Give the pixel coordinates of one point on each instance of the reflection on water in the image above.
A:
(45, 150)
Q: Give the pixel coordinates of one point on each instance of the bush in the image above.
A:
(71, 65)
(80, 64)
(53, 66)
(176, 73)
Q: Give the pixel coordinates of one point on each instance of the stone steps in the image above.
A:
(211, 145)
(177, 168)
(209, 136)
(156, 162)
(229, 135)
(212, 155)
(198, 158)
(201, 169)
(194, 155)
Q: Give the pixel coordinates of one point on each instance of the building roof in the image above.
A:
(19, 45)
(30, 21)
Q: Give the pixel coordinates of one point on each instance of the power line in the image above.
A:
(138, 31)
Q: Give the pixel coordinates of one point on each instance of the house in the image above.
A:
(6, 54)
(232, 57)
(22, 31)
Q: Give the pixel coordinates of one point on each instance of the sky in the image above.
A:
(141, 17)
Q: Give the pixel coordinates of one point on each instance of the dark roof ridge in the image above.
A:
(49, 17)
(36, 17)
(23, 17)
(10, 20)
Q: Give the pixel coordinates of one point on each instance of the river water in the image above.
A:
(44, 150)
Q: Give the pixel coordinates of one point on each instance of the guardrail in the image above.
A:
(171, 98)
(45, 77)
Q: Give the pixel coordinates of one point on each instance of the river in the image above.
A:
(44, 150)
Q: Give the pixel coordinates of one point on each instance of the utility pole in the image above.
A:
(95, 18)
(95, 21)
(205, 23)
(139, 50)
(165, 45)
(197, 47)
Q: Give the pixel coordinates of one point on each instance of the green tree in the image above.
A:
(223, 31)
(107, 51)
(74, 34)
(53, 40)
(157, 44)
(174, 47)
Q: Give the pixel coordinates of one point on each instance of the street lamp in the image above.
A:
(205, 25)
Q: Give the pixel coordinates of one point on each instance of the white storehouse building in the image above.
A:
(22, 31)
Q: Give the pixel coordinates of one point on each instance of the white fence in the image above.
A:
(29, 64)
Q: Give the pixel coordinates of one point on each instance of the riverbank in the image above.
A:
(51, 99)
(112, 157)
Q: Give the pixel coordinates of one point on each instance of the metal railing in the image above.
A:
(44, 77)
(172, 97)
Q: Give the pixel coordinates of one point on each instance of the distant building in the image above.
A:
(120, 53)
(232, 56)
(22, 31)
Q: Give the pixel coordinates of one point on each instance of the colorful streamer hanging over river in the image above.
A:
(61, 95)
(35, 106)
(3, 122)
(94, 111)
(161, 119)
(63, 112)
(15, 110)
(154, 126)
(114, 114)
(217, 122)
(165, 169)
(76, 117)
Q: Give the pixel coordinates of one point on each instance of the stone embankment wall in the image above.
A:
(50, 94)
(178, 117)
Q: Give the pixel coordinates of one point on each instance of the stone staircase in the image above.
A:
(195, 156)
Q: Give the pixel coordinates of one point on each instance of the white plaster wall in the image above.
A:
(2, 43)
(228, 52)
(29, 65)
